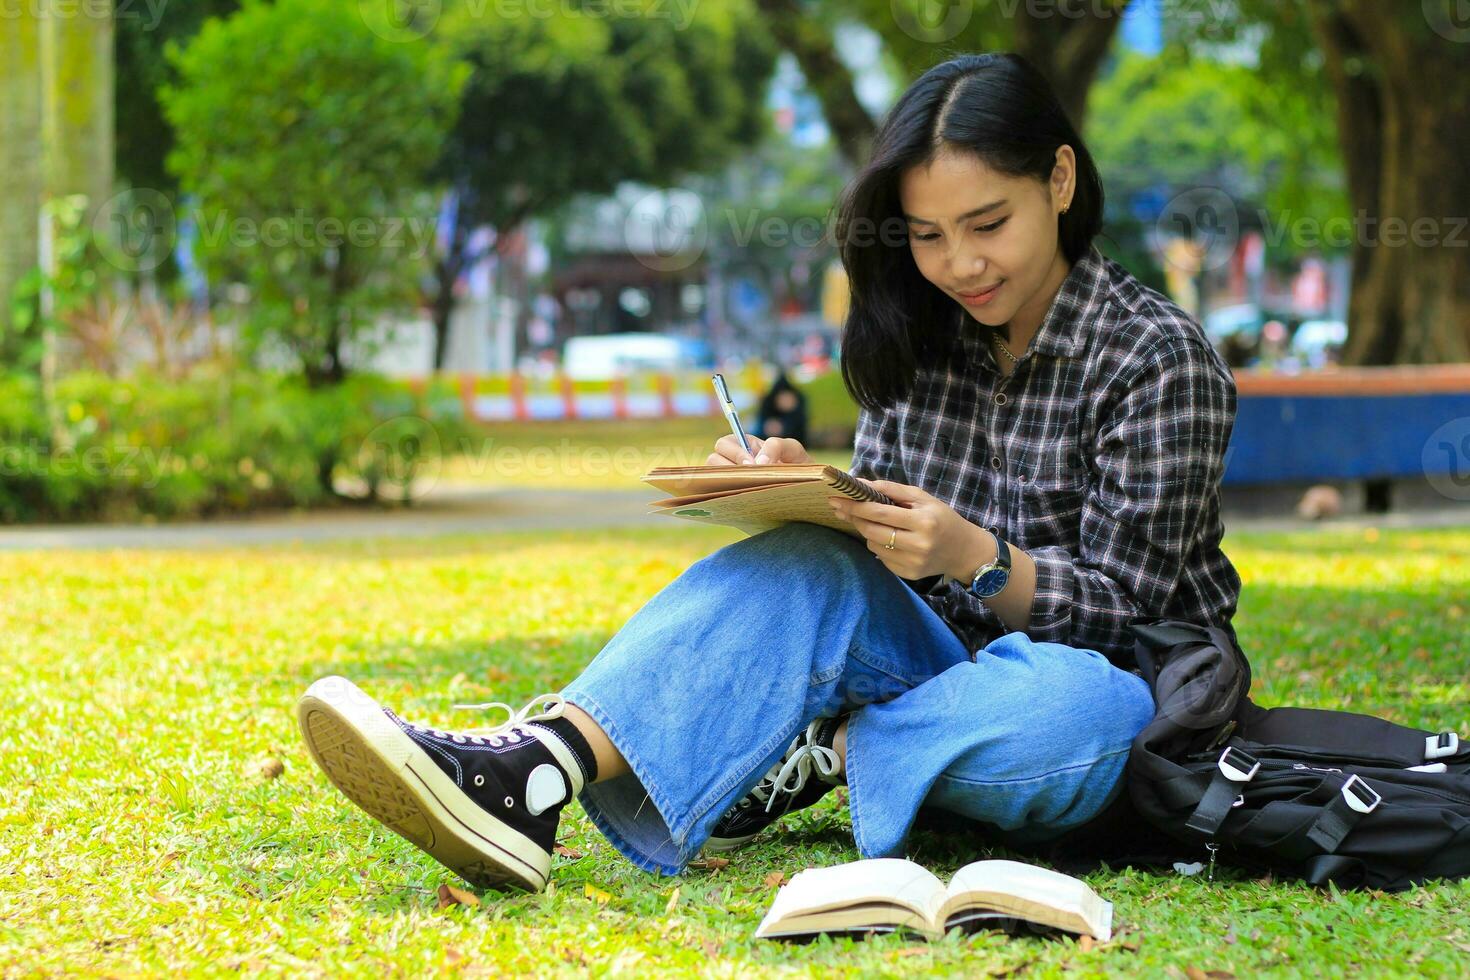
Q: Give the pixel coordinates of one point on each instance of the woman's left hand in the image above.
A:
(932, 537)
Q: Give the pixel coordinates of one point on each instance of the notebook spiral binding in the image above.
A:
(860, 489)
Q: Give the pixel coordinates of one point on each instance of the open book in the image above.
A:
(758, 498)
(893, 894)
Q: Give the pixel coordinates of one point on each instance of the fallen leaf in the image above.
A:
(597, 894)
(912, 951)
(567, 852)
(270, 768)
(711, 948)
(712, 864)
(449, 895)
(673, 900)
(452, 955)
(1086, 943)
(775, 879)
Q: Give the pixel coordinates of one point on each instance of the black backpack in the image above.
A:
(1323, 796)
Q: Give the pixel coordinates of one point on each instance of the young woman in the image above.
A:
(1053, 433)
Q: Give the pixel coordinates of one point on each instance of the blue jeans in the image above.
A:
(706, 685)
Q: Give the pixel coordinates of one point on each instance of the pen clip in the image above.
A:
(720, 388)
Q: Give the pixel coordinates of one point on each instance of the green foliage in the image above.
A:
(305, 137)
(218, 442)
(145, 688)
(74, 278)
(657, 97)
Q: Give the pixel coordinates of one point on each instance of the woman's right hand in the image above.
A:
(728, 451)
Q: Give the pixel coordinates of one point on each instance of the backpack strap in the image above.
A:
(1355, 799)
(1233, 770)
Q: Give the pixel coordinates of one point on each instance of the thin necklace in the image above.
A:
(1003, 348)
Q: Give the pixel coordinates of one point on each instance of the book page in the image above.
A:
(1036, 894)
(874, 880)
(755, 511)
(709, 479)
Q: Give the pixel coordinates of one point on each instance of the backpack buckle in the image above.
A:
(1238, 765)
(1441, 745)
(1359, 795)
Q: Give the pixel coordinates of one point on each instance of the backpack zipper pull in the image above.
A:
(1212, 847)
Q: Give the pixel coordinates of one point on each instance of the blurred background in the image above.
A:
(312, 253)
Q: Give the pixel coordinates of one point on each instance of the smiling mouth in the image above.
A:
(978, 293)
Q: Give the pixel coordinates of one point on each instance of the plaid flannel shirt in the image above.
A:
(1100, 456)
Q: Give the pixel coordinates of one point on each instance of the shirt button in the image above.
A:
(995, 461)
(1000, 398)
(1022, 477)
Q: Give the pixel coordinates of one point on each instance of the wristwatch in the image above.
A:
(992, 576)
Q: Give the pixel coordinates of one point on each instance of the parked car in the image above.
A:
(616, 355)
(1318, 342)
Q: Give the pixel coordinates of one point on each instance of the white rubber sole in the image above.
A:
(384, 772)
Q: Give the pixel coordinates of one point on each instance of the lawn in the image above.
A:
(141, 830)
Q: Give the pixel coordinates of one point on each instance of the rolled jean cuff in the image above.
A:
(644, 837)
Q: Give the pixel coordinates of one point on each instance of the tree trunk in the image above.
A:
(1405, 146)
(20, 163)
(814, 50)
(1069, 51)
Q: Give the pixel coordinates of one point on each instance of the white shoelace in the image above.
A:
(798, 768)
(511, 730)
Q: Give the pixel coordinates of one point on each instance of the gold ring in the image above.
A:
(891, 538)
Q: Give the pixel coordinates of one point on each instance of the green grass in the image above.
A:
(144, 689)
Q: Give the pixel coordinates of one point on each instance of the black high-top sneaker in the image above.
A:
(788, 786)
(483, 803)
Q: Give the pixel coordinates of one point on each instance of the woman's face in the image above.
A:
(1009, 247)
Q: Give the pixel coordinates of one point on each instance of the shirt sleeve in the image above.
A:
(1158, 460)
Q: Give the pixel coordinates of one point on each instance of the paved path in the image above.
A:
(450, 511)
(477, 510)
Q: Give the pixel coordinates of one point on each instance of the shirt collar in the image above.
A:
(1075, 307)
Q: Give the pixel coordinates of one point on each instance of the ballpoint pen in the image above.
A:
(723, 394)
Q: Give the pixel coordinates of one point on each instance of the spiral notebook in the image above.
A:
(758, 498)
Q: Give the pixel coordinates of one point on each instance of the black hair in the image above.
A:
(997, 107)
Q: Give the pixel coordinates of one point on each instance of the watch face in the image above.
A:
(991, 582)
